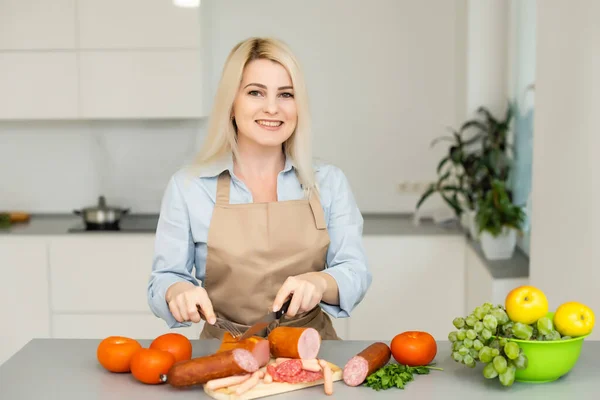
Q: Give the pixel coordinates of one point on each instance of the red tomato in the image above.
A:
(413, 348)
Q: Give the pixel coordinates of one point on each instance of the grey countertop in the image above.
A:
(67, 370)
(374, 225)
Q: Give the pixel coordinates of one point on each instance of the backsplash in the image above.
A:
(58, 166)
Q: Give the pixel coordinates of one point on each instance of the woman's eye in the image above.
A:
(254, 93)
(287, 95)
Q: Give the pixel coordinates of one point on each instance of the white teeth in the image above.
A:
(269, 123)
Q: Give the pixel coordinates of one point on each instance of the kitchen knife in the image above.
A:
(265, 321)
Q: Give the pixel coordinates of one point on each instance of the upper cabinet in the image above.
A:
(84, 59)
(37, 25)
(136, 24)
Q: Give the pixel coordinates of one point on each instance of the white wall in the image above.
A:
(58, 166)
(385, 78)
(566, 189)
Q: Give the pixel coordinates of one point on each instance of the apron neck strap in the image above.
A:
(223, 187)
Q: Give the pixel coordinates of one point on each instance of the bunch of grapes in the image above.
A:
(482, 337)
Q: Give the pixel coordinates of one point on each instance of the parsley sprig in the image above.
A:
(396, 375)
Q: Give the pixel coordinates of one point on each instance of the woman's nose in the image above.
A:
(270, 105)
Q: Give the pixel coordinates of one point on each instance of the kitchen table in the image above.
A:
(67, 369)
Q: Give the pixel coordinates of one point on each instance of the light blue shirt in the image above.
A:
(185, 215)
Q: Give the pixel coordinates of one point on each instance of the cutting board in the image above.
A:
(269, 389)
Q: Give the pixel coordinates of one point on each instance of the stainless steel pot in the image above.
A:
(102, 215)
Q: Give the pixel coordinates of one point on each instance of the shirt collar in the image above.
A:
(225, 163)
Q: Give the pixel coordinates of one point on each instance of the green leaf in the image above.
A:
(425, 195)
(442, 163)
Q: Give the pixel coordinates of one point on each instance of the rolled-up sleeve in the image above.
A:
(173, 252)
(346, 258)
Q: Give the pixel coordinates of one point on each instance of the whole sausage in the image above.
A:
(294, 342)
(257, 345)
(365, 363)
(218, 365)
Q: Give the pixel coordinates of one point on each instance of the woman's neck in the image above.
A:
(259, 161)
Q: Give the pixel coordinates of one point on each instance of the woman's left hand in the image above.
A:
(306, 290)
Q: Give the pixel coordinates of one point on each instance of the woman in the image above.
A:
(259, 221)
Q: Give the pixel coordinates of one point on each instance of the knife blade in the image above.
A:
(265, 321)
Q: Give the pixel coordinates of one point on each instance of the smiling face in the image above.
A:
(264, 108)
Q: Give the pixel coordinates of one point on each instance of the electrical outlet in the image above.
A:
(413, 187)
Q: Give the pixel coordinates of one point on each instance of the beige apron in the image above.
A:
(252, 249)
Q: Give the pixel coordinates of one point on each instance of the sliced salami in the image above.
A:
(289, 368)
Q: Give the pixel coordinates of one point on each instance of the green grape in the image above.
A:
(495, 344)
(490, 322)
(472, 365)
(566, 337)
(507, 378)
(458, 322)
(478, 326)
(486, 334)
(463, 351)
(470, 321)
(462, 334)
(489, 372)
(457, 356)
(471, 334)
(502, 342)
(495, 352)
(468, 343)
(479, 313)
(521, 362)
(500, 364)
(487, 307)
(485, 354)
(453, 337)
(474, 353)
(554, 335)
(477, 345)
(457, 345)
(507, 329)
(522, 331)
(468, 359)
(511, 349)
(500, 315)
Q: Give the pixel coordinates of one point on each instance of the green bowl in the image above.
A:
(548, 360)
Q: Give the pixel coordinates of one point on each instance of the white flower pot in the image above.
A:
(501, 247)
(472, 225)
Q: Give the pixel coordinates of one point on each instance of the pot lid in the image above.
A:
(102, 205)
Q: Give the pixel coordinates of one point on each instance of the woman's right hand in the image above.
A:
(184, 298)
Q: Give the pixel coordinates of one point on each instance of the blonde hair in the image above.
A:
(221, 137)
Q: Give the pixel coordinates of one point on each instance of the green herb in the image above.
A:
(396, 375)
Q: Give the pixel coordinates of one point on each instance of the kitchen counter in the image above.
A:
(67, 370)
(375, 224)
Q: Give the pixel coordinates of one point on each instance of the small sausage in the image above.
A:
(327, 377)
(311, 365)
(268, 378)
(365, 363)
(200, 370)
(250, 383)
(279, 360)
(294, 342)
(227, 381)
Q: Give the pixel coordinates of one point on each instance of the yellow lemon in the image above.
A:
(526, 304)
(574, 319)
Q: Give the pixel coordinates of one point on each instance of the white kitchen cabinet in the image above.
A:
(99, 326)
(135, 24)
(38, 85)
(418, 284)
(37, 25)
(91, 274)
(25, 311)
(140, 84)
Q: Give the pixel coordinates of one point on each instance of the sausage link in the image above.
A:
(294, 342)
(365, 363)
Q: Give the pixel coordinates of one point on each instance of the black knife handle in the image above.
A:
(283, 309)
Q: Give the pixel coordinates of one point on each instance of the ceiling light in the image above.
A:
(187, 3)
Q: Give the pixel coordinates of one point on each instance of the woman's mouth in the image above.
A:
(269, 125)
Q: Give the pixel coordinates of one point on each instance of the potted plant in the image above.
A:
(472, 163)
(498, 222)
